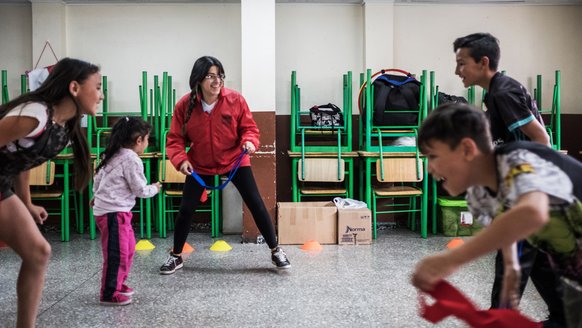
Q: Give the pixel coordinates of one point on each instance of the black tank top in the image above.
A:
(47, 145)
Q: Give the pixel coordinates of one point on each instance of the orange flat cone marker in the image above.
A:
(455, 242)
(312, 246)
(204, 196)
(187, 248)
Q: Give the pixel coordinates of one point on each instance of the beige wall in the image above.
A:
(15, 43)
(320, 41)
(128, 39)
(535, 39)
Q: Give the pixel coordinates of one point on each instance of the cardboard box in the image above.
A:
(354, 226)
(301, 222)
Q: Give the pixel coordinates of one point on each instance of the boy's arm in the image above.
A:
(536, 132)
(509, 297)
(528, 215)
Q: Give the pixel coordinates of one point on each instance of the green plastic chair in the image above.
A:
(399, 179)
(311, 146)
(308, 138)
(172, 185)
(43, 187)
(554, 126)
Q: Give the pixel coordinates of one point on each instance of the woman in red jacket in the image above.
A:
(217, 125)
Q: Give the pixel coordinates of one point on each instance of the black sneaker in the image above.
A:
(173, 263)
(280, 259)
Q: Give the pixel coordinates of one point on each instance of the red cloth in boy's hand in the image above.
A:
(449, 301)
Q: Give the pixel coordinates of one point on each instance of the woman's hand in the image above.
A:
(432, 269)
(249, 147)
(186, 168)
(39, 214)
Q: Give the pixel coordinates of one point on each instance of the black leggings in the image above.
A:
(247, 187)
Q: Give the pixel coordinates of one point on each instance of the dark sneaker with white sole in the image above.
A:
(280, 259)
(173, 263)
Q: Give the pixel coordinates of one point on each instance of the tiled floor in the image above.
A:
(342, 286)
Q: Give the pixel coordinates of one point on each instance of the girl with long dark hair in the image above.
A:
(34, 128)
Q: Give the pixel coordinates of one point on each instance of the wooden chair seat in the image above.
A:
(388, 131)
(397, 191)
(322, 191)
(48, 194)
(321, 131)
(386, 154)
(321, 170)
(320, 154)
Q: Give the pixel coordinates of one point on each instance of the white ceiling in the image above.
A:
(547, 2)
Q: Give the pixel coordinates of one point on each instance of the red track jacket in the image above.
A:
(216, 139)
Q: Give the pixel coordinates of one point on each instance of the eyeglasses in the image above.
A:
(215, 77)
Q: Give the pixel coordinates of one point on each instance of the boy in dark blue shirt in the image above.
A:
(513, 116)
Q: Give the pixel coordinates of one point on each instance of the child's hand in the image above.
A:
(92, 202)
(158, 185)
(509, 298)
(39, 213)
(431, 270)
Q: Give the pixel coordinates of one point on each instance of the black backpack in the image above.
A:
(394, 95)
(326, 116)
(444, 98)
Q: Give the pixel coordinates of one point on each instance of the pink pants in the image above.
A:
(118, 245)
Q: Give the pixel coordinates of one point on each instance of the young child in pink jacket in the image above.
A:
(119, 179)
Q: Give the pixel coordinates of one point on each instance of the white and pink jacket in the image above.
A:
(118, 183)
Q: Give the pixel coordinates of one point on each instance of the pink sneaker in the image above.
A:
(126, 291)
(116, 300)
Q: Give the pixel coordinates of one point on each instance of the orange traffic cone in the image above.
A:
(187, 248)
(455, 242)
(312, 246)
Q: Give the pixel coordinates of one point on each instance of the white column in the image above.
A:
(48, 23)
(258, 54)
(378, 34)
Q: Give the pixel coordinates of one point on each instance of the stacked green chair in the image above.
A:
(172, 185)
(163, 100)
(554, 126)
(97, 137)
(5, 95)
(44, 188)
(376, 150)
(322, 160)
